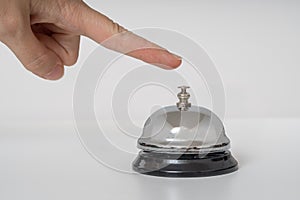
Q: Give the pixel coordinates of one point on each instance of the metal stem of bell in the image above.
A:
(183, 96)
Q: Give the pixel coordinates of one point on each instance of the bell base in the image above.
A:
(185, 165)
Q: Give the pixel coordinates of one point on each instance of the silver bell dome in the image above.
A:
(183, 128)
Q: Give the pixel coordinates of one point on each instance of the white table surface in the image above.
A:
(46, 160)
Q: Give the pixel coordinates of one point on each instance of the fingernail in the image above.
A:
(55, 74)
(177, 57)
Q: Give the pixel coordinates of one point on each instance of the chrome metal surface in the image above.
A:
(195, 130)
(183, 96)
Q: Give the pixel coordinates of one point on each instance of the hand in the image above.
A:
(45, 35)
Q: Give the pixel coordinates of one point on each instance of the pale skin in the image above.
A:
(45, 35)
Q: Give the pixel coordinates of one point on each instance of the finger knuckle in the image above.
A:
(116, 28)
(37, 63)
(71, 11)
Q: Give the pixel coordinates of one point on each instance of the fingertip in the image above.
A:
(157, 57)
(169, 61)
(56, 73)
(175, 63)
(170, 66)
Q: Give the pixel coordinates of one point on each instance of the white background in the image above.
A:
(255, 46)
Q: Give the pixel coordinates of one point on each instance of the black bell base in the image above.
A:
(185, 165)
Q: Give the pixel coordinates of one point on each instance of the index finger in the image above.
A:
(113, 36)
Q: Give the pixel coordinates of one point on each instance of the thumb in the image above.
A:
(34, 55)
